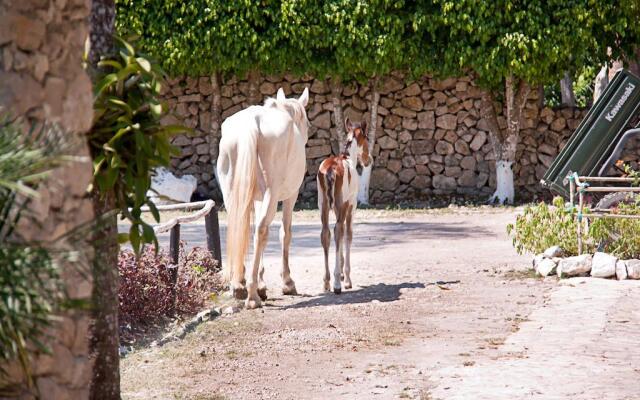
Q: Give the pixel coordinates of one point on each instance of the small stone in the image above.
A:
(621, 270)
(444, 182)
(553, 251)
(633, 269)
(574, 266)
(387, 143)
(190, 98)
(322, 121)
(546, 267)
(229, 310)
(318, 151)
(444, 148)
(478, 141)
(383, 179)
(414, 103)
(447, 121)
(267, 89)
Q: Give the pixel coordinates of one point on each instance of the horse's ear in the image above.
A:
(363, 125)
(304, 98)
(280, 95)
(348, 125)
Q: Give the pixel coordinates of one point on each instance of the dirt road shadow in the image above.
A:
(366, 294)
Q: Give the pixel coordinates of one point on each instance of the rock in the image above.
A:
(419, 147)
(462, 147)
(195, 98)
(167, 188)
(414, 103)
(444, 182)
(546, 267)
(447, 121)
(387, 143)
(394, 166)
(322, 121)
(267, 88)
(421, 182)
(468, 162)
(403, 112)
(574, 266)
(553, 251)
(229, 310)
(536, 260)
(478, 141)
(319, 87)
(467, 178)
(406, 175)
(392, 121)
(318, 151)
(621, 270)
(558, 124)
(383, 179)
(391, 84)
(412, 90)
(633, 269)
(444, 148)
(427, 120)
(603, 265)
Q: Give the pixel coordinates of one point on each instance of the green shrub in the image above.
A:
(127, 140)
(542, 226)
(619, 236)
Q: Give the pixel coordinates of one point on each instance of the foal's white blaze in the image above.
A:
(261, 162)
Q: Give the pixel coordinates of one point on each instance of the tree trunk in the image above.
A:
(104, 341)
(254, 90)
(566, 91)
(601, 82)
(505, 143)
(338, 119)
(365, 175)
(103, 15)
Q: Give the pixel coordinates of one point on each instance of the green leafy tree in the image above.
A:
(508, 46)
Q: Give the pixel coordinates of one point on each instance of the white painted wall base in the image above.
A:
(504, 193)
(363, 185)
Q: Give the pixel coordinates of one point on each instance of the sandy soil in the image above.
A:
(437, 296)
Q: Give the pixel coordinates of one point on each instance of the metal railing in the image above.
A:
(580, 185)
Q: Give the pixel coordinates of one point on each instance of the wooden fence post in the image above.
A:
(174, 251)
(212, 226)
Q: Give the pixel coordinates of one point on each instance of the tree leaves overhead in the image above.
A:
(532, 40)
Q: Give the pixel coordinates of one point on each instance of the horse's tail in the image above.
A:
(241, 204)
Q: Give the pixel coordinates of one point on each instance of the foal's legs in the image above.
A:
(325, 236)
(338, 233)
(288, 286)
(347, 244)
(264, 217)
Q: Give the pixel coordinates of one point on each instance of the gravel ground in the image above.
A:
(442, 307)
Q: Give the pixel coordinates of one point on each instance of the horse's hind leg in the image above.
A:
(264, 217)
(288, 285)
(325, 236)
(338, 231)
(347, 244)
(262, 286)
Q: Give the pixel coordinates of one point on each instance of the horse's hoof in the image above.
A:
(326, 287)
(262, 292)
(289, 290)
(337, 290)
(240, 293)
(347, 285)
(251, 304)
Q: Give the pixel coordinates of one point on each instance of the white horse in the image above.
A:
(261, 161)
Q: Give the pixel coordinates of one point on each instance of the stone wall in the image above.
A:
(41, 77)
(430, 139)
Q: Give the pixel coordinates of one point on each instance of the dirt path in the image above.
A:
(398, 333)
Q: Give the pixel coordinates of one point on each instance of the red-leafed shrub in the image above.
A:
(146, 293)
